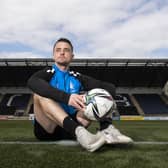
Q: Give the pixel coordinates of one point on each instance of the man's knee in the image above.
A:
(38, 98)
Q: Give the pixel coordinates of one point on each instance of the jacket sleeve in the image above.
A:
(91, 83)
(39, 84)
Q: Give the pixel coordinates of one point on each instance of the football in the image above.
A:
(99, 103)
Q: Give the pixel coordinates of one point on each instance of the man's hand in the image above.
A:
(77, 101)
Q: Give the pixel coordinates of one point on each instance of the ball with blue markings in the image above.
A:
(99, 104)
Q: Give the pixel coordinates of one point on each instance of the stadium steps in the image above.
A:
(26, 113)
(136, 104)
(164, 98)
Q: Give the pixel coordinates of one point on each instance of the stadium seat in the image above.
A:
(14, 104)
(152, 104)
(125, 105)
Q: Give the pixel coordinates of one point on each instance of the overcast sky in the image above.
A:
(97, 28)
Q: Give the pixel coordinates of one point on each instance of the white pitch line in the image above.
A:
(61, 142)
(75, 143)
(150, 143)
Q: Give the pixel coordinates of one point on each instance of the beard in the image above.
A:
(63, 60)
(63, 63)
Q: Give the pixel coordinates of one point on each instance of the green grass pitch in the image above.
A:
(109, 156)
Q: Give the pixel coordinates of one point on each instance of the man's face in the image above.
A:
(63, 53)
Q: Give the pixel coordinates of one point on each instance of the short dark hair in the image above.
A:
(63, 40)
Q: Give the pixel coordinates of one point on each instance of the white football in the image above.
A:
(99, 103)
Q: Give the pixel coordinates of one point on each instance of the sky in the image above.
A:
(97, 29)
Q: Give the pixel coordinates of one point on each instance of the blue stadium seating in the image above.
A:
(152, 104)
(11, 103)
(125, 105)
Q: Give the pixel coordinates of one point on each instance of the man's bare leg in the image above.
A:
(48, 113)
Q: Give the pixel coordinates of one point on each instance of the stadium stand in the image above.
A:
(14, 104)
(152, 104)
(125, 105)
(139, 83)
